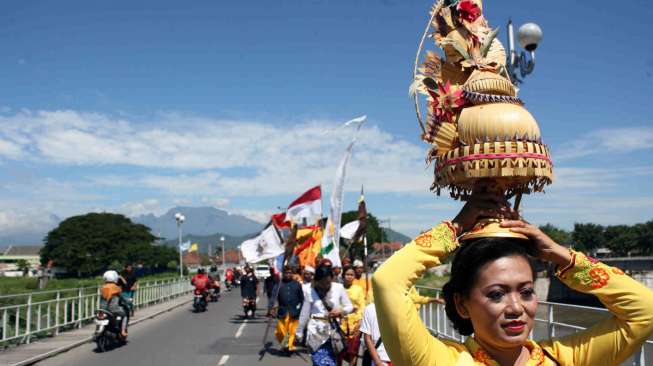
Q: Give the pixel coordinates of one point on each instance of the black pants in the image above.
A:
(367, 358)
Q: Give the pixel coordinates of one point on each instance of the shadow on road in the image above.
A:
(239, 319)
(268, 349)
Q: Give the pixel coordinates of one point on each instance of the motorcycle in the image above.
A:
(199, 301)
(214, 294)
(107, 330)
(249, 307)
(228, 284)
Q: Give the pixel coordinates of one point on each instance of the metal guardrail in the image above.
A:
(551, 320)
(47, 313)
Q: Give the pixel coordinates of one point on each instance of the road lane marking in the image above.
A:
(239, 332)
(223, 360)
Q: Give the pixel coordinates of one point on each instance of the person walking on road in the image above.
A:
(270, 287)
(291, 299)
(362, 280)
(351, 322)
(372, 336)
(326, 302)
(248, 291)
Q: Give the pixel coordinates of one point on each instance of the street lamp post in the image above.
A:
(530, 35)
(224, 263)
(180, 220)
(239, 255)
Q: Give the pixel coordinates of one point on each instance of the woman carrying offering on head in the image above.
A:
(491, 298)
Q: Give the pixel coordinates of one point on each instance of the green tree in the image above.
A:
(375, 234)
(626, 240)
(88, 244)
(23, 266)
(558, 235)
(172, 265)
(588, 237)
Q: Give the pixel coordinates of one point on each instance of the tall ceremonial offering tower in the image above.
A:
(476, 125)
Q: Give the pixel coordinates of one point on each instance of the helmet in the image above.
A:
(110, 276)
(200, 270)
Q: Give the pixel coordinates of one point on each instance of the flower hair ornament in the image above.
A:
(476, 125)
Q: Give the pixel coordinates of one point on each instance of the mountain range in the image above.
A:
(200, 221)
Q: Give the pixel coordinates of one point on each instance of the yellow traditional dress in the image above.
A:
(351, 321)
(418, 299)
(366, 285)
(609, 342)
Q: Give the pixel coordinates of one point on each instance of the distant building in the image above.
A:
(192, 260)
(10, 256)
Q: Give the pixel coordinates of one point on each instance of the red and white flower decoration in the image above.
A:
(468, 10)
(447, 100)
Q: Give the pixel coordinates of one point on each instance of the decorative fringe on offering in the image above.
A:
(518, 166)
(481, 98)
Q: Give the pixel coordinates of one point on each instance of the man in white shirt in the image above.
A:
(372, 335)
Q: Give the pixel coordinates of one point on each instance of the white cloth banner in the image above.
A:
(349, 230)
(185, 246)
(331, 239)
(265, 246)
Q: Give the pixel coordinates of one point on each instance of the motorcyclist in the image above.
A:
(229, 277)
(128, 281)
(111, 300)
(248, 286)
(201, 282)
(214, 280)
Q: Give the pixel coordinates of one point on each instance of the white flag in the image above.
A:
(350, 229)
(185, 245)
(331, 241)
(265, 246)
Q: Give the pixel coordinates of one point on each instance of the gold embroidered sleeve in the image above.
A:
(404, 335)
(614, 339)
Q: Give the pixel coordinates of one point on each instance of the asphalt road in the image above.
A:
(216, 337)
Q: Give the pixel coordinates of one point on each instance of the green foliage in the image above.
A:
(23, 266)
(622, 240)
(587, 237)
(88, 244)
(375, 234)
(171, 265)
(558, 235)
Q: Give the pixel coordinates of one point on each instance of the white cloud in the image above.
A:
(132, 209)
(607, 141)
(277, 159)
(215, 202)
(262, 216)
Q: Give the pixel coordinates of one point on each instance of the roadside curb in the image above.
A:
(54, 352)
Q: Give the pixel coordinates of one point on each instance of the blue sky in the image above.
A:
(135, 107)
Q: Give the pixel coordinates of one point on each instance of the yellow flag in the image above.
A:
(193, 248)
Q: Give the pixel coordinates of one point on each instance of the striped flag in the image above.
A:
(308, 206)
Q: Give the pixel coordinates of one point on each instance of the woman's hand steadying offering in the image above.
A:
(479, 205)
(545, 247)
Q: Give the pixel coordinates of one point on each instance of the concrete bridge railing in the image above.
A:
(24, 317)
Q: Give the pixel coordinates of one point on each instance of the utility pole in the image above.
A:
(224, 263)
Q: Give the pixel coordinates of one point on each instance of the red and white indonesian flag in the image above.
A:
(308, 206)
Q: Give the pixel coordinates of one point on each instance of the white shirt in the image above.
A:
(306, 287)
(318, 330)
(369, 325)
